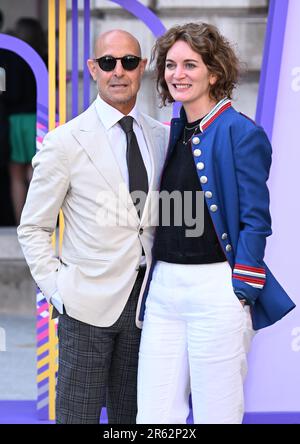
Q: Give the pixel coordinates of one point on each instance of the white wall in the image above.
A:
(14, 9)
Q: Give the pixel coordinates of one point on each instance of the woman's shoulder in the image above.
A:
(240, 123)
(243, 129)
(239, 118)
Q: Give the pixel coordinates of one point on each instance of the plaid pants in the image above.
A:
(98, 367)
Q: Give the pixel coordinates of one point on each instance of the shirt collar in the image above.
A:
(110, 116)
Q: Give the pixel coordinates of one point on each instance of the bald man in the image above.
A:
(100, 169)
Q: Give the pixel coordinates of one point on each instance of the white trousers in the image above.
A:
(195, 338)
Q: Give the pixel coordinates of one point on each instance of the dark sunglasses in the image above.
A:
(108, 63)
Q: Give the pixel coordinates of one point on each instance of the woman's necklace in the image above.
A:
(186, 128)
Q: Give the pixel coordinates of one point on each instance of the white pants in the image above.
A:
(195, 338)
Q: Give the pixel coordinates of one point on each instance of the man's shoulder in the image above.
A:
(154, 123)
(75, 123)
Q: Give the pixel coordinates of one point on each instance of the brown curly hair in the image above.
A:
(216, 52)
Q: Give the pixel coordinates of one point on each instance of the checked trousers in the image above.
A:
(98, 367)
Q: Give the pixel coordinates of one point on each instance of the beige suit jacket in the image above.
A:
(103, 236)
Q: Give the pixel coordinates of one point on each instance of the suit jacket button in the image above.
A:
(228, 247)
(200, 165)
(224, 236)
(203, 179)
(197, 152)
(208, 194)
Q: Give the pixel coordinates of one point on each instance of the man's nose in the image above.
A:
(119, 70)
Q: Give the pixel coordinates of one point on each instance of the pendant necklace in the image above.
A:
(186, 128)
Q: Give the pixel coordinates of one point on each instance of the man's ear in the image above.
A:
(92, 68)
(143, 64)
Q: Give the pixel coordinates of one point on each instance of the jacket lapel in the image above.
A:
(177, 126)
(91, 135)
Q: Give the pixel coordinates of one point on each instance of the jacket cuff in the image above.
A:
(48, 285)
(252, 276)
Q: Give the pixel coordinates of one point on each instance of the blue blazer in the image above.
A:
(233, 156)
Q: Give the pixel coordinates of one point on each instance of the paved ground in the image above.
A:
(17, 318)
(17, 363)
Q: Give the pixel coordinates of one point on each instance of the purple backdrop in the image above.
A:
(273, 382)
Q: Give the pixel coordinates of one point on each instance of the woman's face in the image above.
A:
(186, 75)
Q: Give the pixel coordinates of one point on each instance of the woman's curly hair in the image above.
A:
(216, 52)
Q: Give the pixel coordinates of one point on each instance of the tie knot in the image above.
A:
(126, 124)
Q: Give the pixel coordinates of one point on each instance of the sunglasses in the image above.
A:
(108, 63)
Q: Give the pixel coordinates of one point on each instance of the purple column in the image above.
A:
(86, 55)
(74, 58)
(268, 85)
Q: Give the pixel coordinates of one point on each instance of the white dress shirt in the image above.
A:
(57, 302)
(110, 117)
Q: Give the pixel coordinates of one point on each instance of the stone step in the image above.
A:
(17, 288)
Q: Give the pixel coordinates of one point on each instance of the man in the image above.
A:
(88, 167)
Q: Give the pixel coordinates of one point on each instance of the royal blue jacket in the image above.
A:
(233, 156)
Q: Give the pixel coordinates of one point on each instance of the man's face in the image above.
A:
(119, 87)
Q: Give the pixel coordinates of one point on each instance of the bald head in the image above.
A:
(114, 40)
(119, 84)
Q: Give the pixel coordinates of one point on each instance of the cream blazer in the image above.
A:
(76, 170)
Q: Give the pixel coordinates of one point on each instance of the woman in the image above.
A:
(206, 293)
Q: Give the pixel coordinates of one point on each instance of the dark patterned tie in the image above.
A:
(138, 179)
